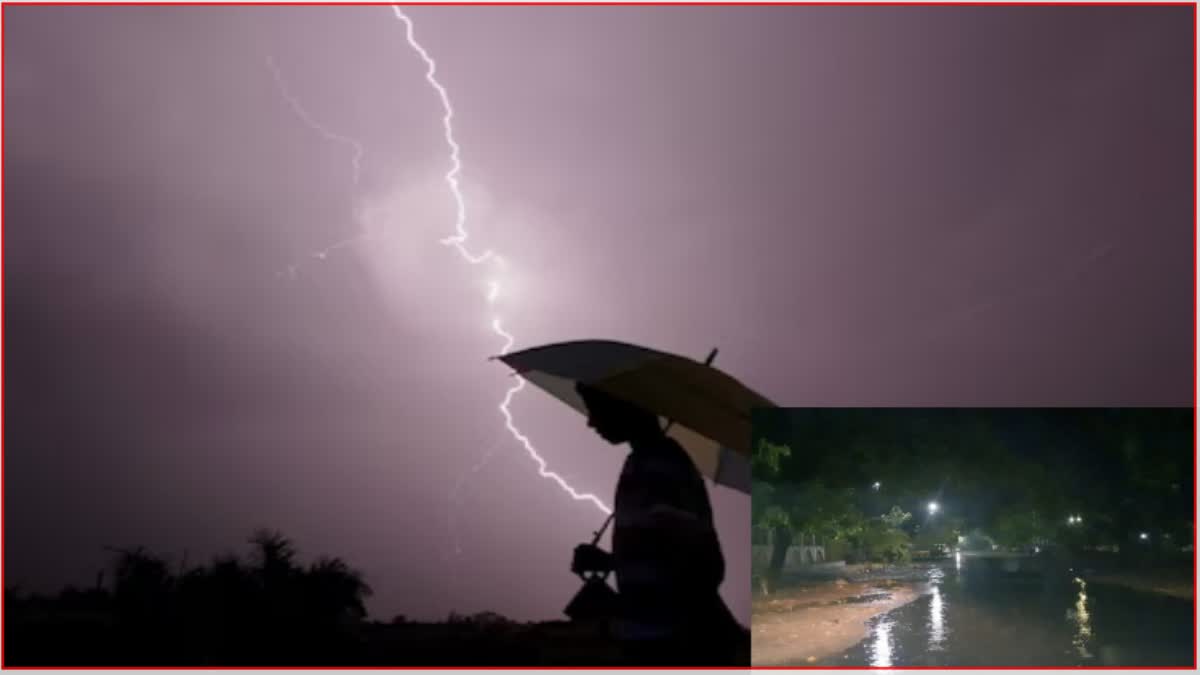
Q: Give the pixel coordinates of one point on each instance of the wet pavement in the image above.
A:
(976, 613)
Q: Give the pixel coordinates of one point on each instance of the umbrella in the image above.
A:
(707, 410)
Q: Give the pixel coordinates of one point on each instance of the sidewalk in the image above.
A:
(812, 621)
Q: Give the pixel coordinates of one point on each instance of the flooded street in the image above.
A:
(980, 612)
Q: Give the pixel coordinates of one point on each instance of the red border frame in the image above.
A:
(589, 3)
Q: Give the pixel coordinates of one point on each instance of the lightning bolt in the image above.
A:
(459, 242)
(455, 494)
(303, 114)
(355, 162)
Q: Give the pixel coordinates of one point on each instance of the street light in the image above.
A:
(875, 486)
(1143, 536)
(933, 507)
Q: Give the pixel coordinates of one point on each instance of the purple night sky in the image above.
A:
(857, 205)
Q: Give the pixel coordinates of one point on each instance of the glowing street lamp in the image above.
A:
(875, 486)
(933, 507)
(1144, 536)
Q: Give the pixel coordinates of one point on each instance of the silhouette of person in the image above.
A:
(665, 552)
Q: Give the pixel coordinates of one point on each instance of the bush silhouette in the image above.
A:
(266, 608)
(269, 610)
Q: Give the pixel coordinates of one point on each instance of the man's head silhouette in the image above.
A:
(615, 420)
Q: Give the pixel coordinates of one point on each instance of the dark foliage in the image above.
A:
(1018, 474)
(271, 611)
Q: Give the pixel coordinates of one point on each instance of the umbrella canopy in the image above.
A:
(709, 410)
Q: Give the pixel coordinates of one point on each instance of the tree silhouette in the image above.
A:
(334, 591)
(268, 611)
(266, 608)
(142, 586)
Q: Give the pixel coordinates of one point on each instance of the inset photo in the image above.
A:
(956, 537)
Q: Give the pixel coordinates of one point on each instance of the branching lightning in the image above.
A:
(355, 161)
(457, 491)
(458, 241)
(303, 114)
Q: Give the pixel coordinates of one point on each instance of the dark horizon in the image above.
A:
(979, 461)
(954, 206)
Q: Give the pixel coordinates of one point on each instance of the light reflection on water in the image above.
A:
(881, 648)
(1083, 621)
(981, 616)
(937, 614)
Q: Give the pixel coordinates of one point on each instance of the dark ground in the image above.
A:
(83, 638)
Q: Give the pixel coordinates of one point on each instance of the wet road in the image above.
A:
(977, 613)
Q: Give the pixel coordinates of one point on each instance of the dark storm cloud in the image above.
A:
(857, 205)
